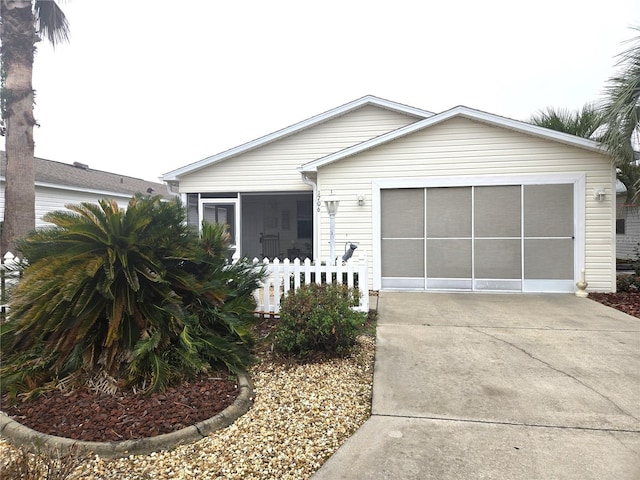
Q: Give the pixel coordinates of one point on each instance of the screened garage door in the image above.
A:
(494, 238)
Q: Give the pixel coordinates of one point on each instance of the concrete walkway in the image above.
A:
(470, 386)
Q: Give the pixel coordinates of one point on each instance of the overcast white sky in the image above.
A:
(147, 86)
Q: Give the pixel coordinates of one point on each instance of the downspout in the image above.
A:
(316, 233)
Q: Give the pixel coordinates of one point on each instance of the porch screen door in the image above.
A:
(222, 213)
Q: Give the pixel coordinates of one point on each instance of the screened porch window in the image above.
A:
(192, 210)
(305, 218)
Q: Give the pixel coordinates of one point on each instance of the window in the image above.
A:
(620, 226)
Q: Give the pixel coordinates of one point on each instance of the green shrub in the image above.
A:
(318, 318)
(628, 283)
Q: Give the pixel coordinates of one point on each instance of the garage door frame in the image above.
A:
(578, 179)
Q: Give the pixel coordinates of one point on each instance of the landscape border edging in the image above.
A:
(20, 435)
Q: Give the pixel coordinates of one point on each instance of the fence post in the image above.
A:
(266, 304)
(363, 282)
(276, 285)
(296, 273)
(7, 259)
(286, 276)
(307, 271)
(319, 272)
(3, 292)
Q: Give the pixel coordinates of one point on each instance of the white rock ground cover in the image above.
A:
(300, 416)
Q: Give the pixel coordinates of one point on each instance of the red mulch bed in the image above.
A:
(627, 302)
(86, 415)
(89, 416)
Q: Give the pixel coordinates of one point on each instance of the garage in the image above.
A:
(487, 237)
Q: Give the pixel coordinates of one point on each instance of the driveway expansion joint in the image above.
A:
(508, 424)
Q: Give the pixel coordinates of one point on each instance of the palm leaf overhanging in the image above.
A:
(621, 111)
(614, 122)
(134, 294)
(586, 122)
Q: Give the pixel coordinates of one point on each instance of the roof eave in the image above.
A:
(175, 175)
(459, 111)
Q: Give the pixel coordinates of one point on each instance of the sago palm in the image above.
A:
(133, 294)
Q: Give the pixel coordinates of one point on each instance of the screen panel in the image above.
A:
(548, 210)
(402, 214)
(449, 212)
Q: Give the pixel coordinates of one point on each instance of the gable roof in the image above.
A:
(297, 127)
(459, 111)
(82, 178)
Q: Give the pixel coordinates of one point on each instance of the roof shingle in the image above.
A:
(82, 177)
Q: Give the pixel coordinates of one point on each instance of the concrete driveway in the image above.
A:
(496, 386)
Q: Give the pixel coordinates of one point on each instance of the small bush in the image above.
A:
(628, 283)
(318, 318)
(35, 464)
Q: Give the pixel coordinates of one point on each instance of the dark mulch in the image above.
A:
(627, 302)
(86, 415)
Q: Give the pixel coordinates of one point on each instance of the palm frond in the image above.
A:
(51, 21)
(621, 110)
(585, 123)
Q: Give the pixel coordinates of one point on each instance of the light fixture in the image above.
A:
(360, 200)
(599, 195)
(349, 252)
(332, 203)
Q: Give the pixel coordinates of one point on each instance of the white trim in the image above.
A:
(237, 217)
(548, 286)
(71, 188)
(315, 234)
(174, 175)
(578, 179)
(459, 111)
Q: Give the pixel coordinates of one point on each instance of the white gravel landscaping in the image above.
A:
(300, 416)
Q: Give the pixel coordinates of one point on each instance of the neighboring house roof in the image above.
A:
(82, 178)
(459, 111)
(310, 122)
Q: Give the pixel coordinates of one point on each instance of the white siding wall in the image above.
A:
(628, 243)
(52, 199)
(461, 147)
(273, 167)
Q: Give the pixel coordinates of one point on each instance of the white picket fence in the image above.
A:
(283, 277)
(9, 277)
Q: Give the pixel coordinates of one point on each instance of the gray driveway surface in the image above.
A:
(490, 386)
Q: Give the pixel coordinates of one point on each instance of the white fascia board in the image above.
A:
(315, 120)
(83, 190)
(461, 111)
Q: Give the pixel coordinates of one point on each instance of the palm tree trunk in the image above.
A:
(18, 39)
